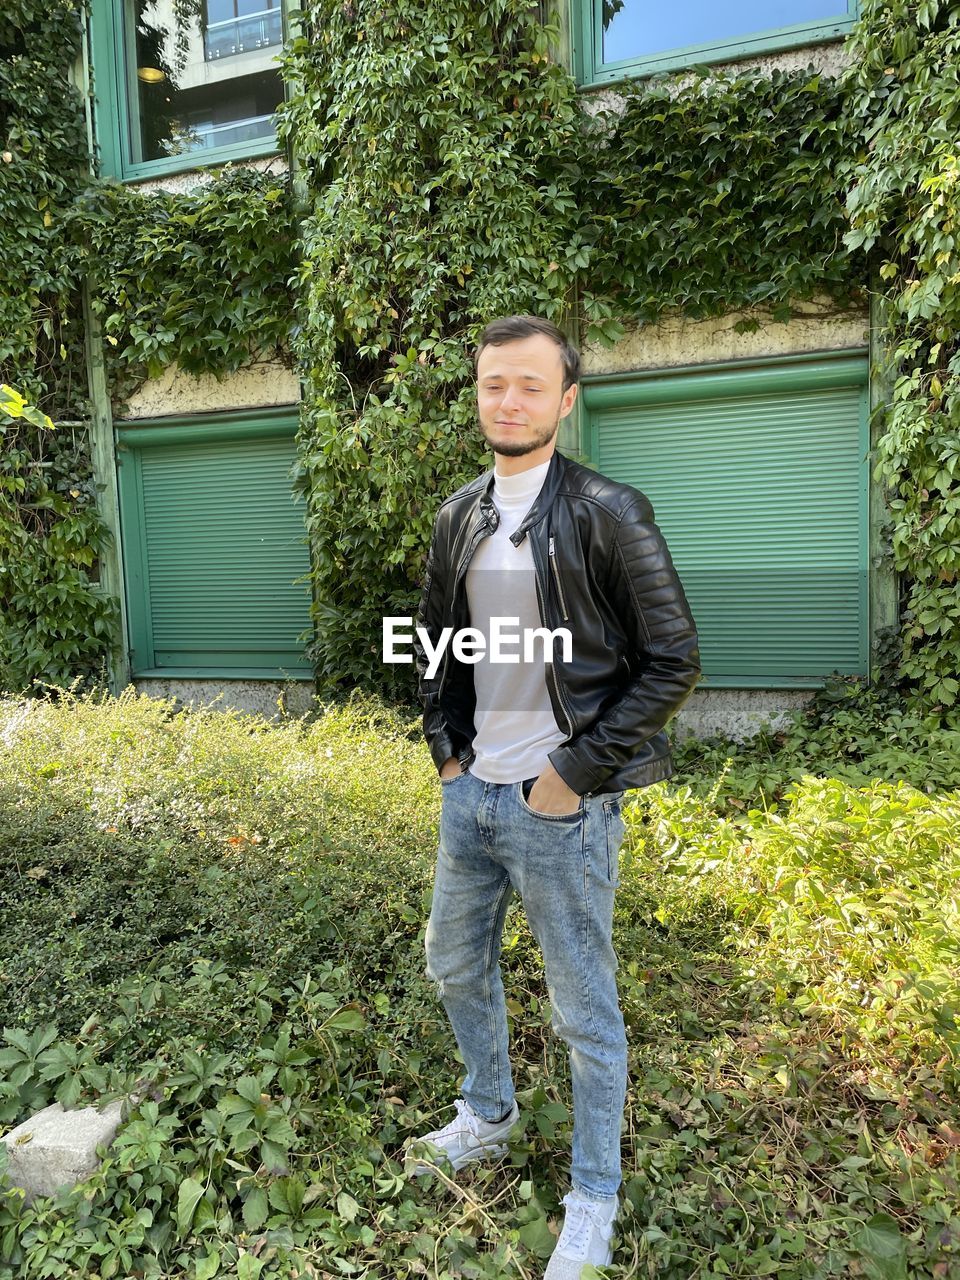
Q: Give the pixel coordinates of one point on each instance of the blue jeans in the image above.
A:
(565, 870)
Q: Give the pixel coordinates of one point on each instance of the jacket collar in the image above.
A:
(541, 505)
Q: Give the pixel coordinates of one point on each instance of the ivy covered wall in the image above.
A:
(452, 174)
(54, 623)
(903, 204)
(447, 172)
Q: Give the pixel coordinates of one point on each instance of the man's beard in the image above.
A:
(518, 448)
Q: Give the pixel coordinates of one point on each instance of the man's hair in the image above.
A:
(515, 328)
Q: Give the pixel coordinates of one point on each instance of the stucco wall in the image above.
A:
(735, 713)
(182, 183)
(827, 59)
(258, 386)
(678, 341)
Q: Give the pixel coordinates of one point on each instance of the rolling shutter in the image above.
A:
(758, 479)
(215, 542)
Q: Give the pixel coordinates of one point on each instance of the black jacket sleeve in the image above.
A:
(649, 598)
(437, 732)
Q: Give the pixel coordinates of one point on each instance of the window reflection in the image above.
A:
(206, 74)
(643, 28)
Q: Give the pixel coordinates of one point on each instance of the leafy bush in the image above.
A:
(849, 729)
(53, 621)
(902, 205)
(223, 917)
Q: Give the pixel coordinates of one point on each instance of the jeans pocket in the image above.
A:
(445, 782)
(569, 818)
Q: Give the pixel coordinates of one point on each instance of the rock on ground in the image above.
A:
(56, 1148)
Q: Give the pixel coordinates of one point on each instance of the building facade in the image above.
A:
(771, 518)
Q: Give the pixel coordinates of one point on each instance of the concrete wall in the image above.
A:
(735, 713)
(827, 59)
(258, 386)
(182, 183)
(677, 341)
(271, 699)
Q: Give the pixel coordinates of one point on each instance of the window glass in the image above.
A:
(643, 28)
(205, 74)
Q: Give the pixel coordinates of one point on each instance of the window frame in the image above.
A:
(592, 72)
(115, 121)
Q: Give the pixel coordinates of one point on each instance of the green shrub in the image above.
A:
(223, 917)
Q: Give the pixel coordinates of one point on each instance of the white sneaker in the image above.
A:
(586, 1235)
(467, 1137)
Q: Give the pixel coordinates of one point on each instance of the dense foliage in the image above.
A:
(54, 623)
(439, 150)
(722, 195)
(500, 193)
(225, 917)
(50, 532)
(904, 206)
(199, 277)
(43, 165)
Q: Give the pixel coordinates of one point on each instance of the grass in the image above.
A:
(225, 915)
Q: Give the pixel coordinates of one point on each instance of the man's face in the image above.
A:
(520, 397)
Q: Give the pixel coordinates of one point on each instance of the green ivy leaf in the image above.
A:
(255, 1209)
(188, 1195)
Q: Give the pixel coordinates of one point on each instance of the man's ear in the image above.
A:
(568, 399)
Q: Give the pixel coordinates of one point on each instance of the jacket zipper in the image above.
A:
(556, 577)
(551, 666)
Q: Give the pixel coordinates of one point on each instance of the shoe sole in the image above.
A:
(492, 1151)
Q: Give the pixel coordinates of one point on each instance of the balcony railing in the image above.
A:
(221, 135)
(243, 35)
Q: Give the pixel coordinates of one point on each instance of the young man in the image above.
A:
(534, 756)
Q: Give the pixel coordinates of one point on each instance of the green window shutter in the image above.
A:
(215, 541)
(758, 479)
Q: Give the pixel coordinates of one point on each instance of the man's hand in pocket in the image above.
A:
(550, 794)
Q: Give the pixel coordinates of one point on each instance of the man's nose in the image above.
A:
(510, 399)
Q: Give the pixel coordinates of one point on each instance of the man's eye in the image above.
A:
(535, 390)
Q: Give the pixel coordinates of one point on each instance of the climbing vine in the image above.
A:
(904, 207)
(197, 277)
(54, 622)
(43, 163)
(440, 146)
(722, 197)
(453, 175)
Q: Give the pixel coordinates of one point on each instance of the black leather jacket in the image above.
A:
(610, 580)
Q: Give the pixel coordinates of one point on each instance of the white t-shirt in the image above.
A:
(516, 727)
